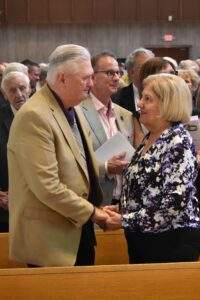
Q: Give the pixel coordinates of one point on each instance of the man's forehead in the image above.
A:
(142, 58)
(107, 60)
(16, 82)
(34, 69)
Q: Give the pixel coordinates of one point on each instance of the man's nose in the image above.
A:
(18, 93)
(116, 76)
(90, 83)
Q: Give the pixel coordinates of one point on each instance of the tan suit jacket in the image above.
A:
(49, 185)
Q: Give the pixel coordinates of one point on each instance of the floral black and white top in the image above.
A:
(158, 191)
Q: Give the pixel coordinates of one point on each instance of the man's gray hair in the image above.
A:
(132, 57)
(15, 66)
(12, 75)
(64, 55)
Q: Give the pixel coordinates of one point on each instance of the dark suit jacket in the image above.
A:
(3, 101)
(6, 117)
(125, 98)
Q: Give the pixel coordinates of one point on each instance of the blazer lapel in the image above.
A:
(66, 130)
(93, 119)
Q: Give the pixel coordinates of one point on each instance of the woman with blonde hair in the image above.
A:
(159, 209)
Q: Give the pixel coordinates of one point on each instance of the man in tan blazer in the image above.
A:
(54, 189)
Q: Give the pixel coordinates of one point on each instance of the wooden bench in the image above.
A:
(5, 262)
(180, 281)
(111, 249)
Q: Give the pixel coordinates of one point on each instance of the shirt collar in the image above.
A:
(100, 106)
(13, 110)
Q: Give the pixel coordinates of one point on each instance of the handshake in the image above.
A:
(108, 217)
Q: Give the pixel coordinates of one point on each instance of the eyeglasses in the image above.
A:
(109, 73)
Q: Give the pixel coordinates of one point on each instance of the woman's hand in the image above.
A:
(114, 221)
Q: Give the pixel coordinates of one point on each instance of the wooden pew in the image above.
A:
(5, 262)
(179, 281)
(111, 249)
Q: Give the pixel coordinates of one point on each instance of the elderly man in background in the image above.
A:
(106, 118)
(128, 96)
(16, 88)
(54, 201)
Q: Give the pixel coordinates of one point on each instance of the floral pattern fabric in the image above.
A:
(158, 191)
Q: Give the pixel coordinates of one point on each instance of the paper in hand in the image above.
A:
(115, 146)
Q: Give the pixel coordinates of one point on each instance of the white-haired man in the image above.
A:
(16, 88)
(128, 96)
(53, 203)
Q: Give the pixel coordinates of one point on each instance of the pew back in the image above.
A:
(111, 249)
(138, 282)
(5, 262)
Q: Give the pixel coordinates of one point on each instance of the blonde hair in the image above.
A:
(174, 96)
(189, 74)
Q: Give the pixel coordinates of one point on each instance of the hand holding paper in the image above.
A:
(117, 164)
(114, 146)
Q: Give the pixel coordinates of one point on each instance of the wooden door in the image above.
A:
(178, 53)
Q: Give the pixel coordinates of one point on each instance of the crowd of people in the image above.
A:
(54, 192)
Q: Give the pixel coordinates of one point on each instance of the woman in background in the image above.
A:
(153, 66)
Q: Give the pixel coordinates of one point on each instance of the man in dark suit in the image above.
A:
(33, 73)
(16, 88)
(128, 96)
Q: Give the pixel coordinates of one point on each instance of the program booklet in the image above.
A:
(114, 146)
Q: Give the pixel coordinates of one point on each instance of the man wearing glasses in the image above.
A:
(106, 118)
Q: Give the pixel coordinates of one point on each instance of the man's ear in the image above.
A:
(61, 77)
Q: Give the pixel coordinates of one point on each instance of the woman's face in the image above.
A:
(189, 83)
(149, 106)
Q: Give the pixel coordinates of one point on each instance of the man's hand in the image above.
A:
(4, 200)
(99, 217)
(116, 164)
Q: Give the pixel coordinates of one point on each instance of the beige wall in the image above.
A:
(36, 42)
